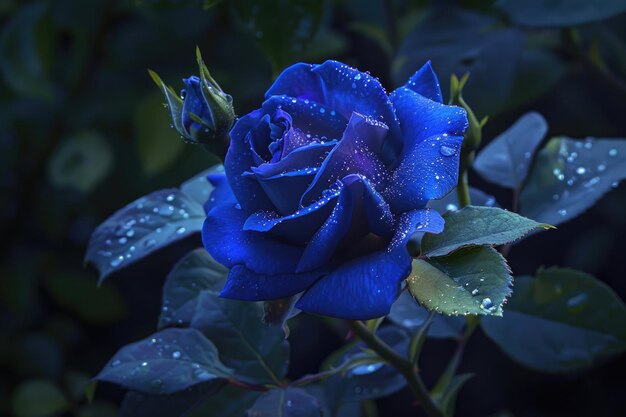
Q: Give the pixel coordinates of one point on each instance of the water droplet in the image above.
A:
(562, 212)
(115, 363)
(577, 303)
(366, 369)
(149, 243)
(446, 150)
(581, 170)
(614, 184)
(117, 261)
(487, 305)
(180, 230)
(475, 291)
(452, 207)
(170, 197)
(238, 206)
(122, 240)
(322, 110)
(176, 355)
(144, 363)
(613, 152)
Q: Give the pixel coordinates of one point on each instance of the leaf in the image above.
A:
(478, 226)
(406, 312)
(474, 280)
(77, 294)
(231, 402)
(367, 381)
(35, 398)
(157, 143)
(168, 361)
(81, 162)
(174, 102)
(505, 160)
(285, 402)
(560, 13)
(26, 46)
(193, 274)
(257, 352)
(561, 321)
(282, 29)
(569, 176)
(447, 400)
(147, 225)
(459, 41)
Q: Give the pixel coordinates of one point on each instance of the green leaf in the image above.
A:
(285, 402)
(459, 41)
(478, 226)
(80, 162)
(26, 46)
(76, 293)
(559, 13)
(447, 400)
(173, 102)
(569, 176)
(157, 143)
(561, 321)
(149, 224)
(406, 312)
(166, 362)
(257, 352)
(282, 29)
(505, 160)
(475, 280)
(37, 398)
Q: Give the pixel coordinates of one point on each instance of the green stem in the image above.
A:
(462, 190)
(401, 364)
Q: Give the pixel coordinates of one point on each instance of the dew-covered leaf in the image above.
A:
(561, 321)
(37, 398)
(285, 402)
(560, 13)
(570, 175)
(506, 159)
(168, 361)
(366, 381)
(458, 41)
(158, 145)
(406, 312)
(195, 273)
(149, 224)
(258, 353)
(282, 29)
(80, 162)
(474, 280)
(478, 226)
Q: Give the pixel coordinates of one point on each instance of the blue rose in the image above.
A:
(326, 182)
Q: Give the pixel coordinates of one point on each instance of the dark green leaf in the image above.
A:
(80, 162)
(459, 41)
(475, 280)
(285, 402)
(231, 402)
(25, 46)
(478, 226)
(195, 273)
(173, 102)
(447, 400)
(282, 29)
(366, 381)
(36, 398)
(505, 160)
(406, 312)
(148, 224)
(569, 176)
(77, 293)
(257, 352)
(559, 13)
(158, 145)
(561, 321)
(168, 361)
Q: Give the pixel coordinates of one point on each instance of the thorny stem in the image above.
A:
(402, 365)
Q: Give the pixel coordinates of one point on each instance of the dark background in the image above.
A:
(83, 132)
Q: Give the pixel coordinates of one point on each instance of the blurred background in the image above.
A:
(83, 131)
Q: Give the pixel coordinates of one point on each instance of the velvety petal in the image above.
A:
(238, 160)
(312, 118)
(359, 210)
(310, 156)
(366, 287)
(299, 226)
(221, 194)
(425, 83)
(339, 87)
(356, 153)
(226, 241)
(195, 104)
(285, 189)
(421, 118)
(245, 284)
(429, 171)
